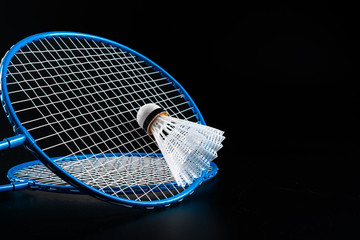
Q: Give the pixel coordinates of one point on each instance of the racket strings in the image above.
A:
(107, 176)
(90, 174)
(153, 170)
(80, 97)
(156, 170)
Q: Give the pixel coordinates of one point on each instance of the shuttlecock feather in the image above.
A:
(187, 147)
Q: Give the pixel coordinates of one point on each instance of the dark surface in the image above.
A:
(281, 80)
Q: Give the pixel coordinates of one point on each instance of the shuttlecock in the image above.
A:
(187, 147)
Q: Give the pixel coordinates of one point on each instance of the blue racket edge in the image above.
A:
(23, 137)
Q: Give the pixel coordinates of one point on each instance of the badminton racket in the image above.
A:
(76, 95)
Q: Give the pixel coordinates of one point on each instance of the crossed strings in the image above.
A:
(81, 97)
(42, 174)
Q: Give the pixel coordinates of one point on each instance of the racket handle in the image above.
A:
(15, 186)
(12, 142)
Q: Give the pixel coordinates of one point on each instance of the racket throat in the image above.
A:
(29, 140)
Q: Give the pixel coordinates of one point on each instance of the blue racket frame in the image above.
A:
(23, 137)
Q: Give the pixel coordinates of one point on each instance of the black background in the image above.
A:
(280, 79)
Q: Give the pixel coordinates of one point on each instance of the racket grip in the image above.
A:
(15, 186)
(12, 142)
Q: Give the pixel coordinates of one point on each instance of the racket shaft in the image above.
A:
(12, 142)
(14, 186)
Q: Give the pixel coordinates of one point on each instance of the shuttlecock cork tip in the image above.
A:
(147, 114)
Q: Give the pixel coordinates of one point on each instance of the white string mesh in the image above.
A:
(154, 175)
(80, 97)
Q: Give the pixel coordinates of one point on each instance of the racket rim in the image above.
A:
(31, 144)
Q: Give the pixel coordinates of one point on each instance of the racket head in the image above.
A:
(41, 178)
(32, 63)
